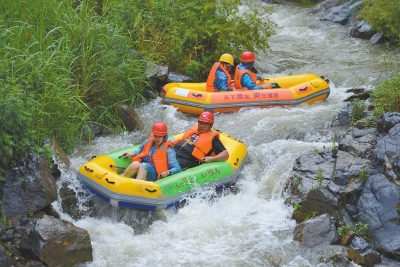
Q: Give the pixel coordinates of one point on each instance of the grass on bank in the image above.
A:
(66, 64)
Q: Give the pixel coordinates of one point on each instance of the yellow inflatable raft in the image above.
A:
(193, 98)
(100, 176)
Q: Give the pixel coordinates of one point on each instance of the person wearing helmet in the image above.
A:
(246, 79)
(154, 159)
(200, 144)
(219, 78)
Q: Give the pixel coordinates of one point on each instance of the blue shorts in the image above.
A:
(151, 172)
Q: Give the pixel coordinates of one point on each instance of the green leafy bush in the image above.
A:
(384, 17)
(189, 36)
(360, 229)
(16, 136)
(363, 175)
(386, 96)
(357, 111)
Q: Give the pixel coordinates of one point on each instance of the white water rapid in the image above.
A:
(252, 227)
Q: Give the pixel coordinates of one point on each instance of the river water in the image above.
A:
(253, 226)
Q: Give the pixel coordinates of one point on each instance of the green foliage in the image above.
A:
(189, 36)
(312, 215)
(309, 3)
(296, 207)
(4, 221)
(344, 228)
(320, 176)
(360, 229)
(62, 65)
(384, 17)
(386, 97)
(363, 176)
(67, 64)
(357, 111)
(16, 136)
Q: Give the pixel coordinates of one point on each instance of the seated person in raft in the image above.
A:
(245, 78)
(219, 79)
(154, 159)
(200, 144)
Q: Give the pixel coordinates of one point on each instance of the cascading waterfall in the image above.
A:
(253, 226)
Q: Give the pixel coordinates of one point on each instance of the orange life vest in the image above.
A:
(211, 77)
(159, 157)
(239, 75)
(203, 144)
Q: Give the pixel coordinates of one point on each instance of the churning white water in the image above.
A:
(253, 226)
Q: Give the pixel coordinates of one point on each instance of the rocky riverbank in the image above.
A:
(352, 185)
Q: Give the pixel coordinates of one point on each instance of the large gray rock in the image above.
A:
(6, 260)
(55, 242)
(337, 11)
(359, 142)
(378, 208)
(348, 168)
(387, 121)
(363, 253)
(316, 231)
(28, 188)
(386, 157)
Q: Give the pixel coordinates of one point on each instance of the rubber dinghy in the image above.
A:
(193, 98)
(100, 176)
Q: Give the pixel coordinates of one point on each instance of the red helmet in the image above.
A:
(159, 129)
(207, 116)
(247, 57)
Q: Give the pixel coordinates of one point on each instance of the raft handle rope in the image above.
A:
(151, 191)
(237, 161)
(110, 182)
(197, 95)
(87, 169)
(302, 89)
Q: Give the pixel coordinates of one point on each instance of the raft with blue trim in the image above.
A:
(193, 98)
(101, 176)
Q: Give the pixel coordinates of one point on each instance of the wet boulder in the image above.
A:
(387, 121)
(348, 168)
(5, 259)
(363, 253)
(317, 231)
(362, 30)
(128, 117)
(378, 207)
(55, 242)
(337, 11)
(386, 156)
(28, 188)
(310, 171)
(359, 142)
(174, 77)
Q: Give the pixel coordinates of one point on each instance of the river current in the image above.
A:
(253, 226)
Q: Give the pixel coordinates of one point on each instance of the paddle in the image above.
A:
(127, 154)
(117, 166)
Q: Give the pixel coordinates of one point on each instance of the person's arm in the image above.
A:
(127, 154)
(220, 151)
(173, 164)
(224, 155)
(248, 82)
